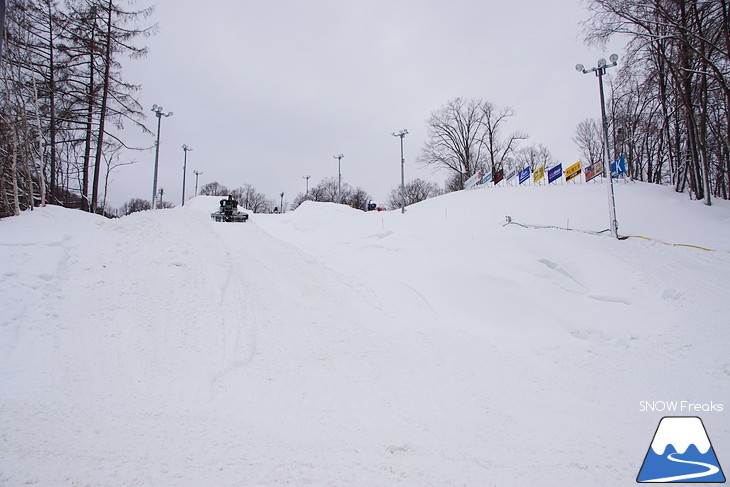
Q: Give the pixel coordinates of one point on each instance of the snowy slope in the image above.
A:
(327, 346)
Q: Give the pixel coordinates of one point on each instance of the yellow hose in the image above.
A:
(672, 244)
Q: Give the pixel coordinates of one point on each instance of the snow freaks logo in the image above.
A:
(681, 452)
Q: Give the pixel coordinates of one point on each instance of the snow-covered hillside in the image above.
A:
(327, 346)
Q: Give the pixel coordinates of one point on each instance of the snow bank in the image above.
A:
(329, 346)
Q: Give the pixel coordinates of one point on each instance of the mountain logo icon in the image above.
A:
(681, 452)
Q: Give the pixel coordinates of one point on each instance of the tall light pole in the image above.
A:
(339, 177)
(197, 173)
(402, 134)
(306, 191)
(158, 111)
(600, 70)
(185, 149)
(282, 202)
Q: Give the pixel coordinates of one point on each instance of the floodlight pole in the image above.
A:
(339, 178)
(185, 148)
(158, 111)
(282, 202)
(402, 134)
(306, 191)
(197, 173)
(600, 70)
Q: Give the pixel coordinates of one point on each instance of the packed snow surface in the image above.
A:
(330, 347)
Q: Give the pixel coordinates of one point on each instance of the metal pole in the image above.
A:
(339, 178)
(158, 111)
(157, 159)
(607, 157)
(600, 71)
(306, 191)
(282, 202)
(402, 134)
(185, 165)
(197, 173)
(402, 178)
(185, 148)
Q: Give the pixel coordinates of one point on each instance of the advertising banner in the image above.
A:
(511, 174)
(487, 177)
(555, 173)
(499, 176)
(525, 174)
(473, 180)
(618, 167)
(538, 174)
(595, 169)
(572, 171)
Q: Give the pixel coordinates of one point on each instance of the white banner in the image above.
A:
(472, 181)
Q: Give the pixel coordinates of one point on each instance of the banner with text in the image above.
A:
(472, 181)
(555, 173)
(538, 174)
(595, 169)
(525, 174)
(618, 167)
(499, 176)
(573, 171)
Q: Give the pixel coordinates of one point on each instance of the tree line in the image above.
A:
(669, 112)
(64, 100)
(465, 136)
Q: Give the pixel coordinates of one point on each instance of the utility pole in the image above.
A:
(306, 191)
(402, 134)
(197, 173)
(158, 111)
(600, 70)
(282, 202)
(185, 149)
(339, 178)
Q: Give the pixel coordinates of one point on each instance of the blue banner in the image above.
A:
(618, 167)
(525, 174)
(555, 173)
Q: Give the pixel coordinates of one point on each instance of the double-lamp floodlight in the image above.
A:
(602, 64)
(158, 110)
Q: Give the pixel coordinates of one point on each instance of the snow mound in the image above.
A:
(329, 346)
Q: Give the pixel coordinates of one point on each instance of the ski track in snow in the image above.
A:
(328, 347)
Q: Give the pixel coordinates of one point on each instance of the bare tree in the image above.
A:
(415, 191)
(357, 198)
(326, 191)
(465, 136)
(679, 52)
(249, 198)
(589, 139)
(213, 189)
(134, 205)
(533, 156)
(499, 149)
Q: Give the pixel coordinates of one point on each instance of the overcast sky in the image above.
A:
(266, 92)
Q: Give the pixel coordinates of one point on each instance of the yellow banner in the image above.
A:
(538, 174)
(572, 171)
